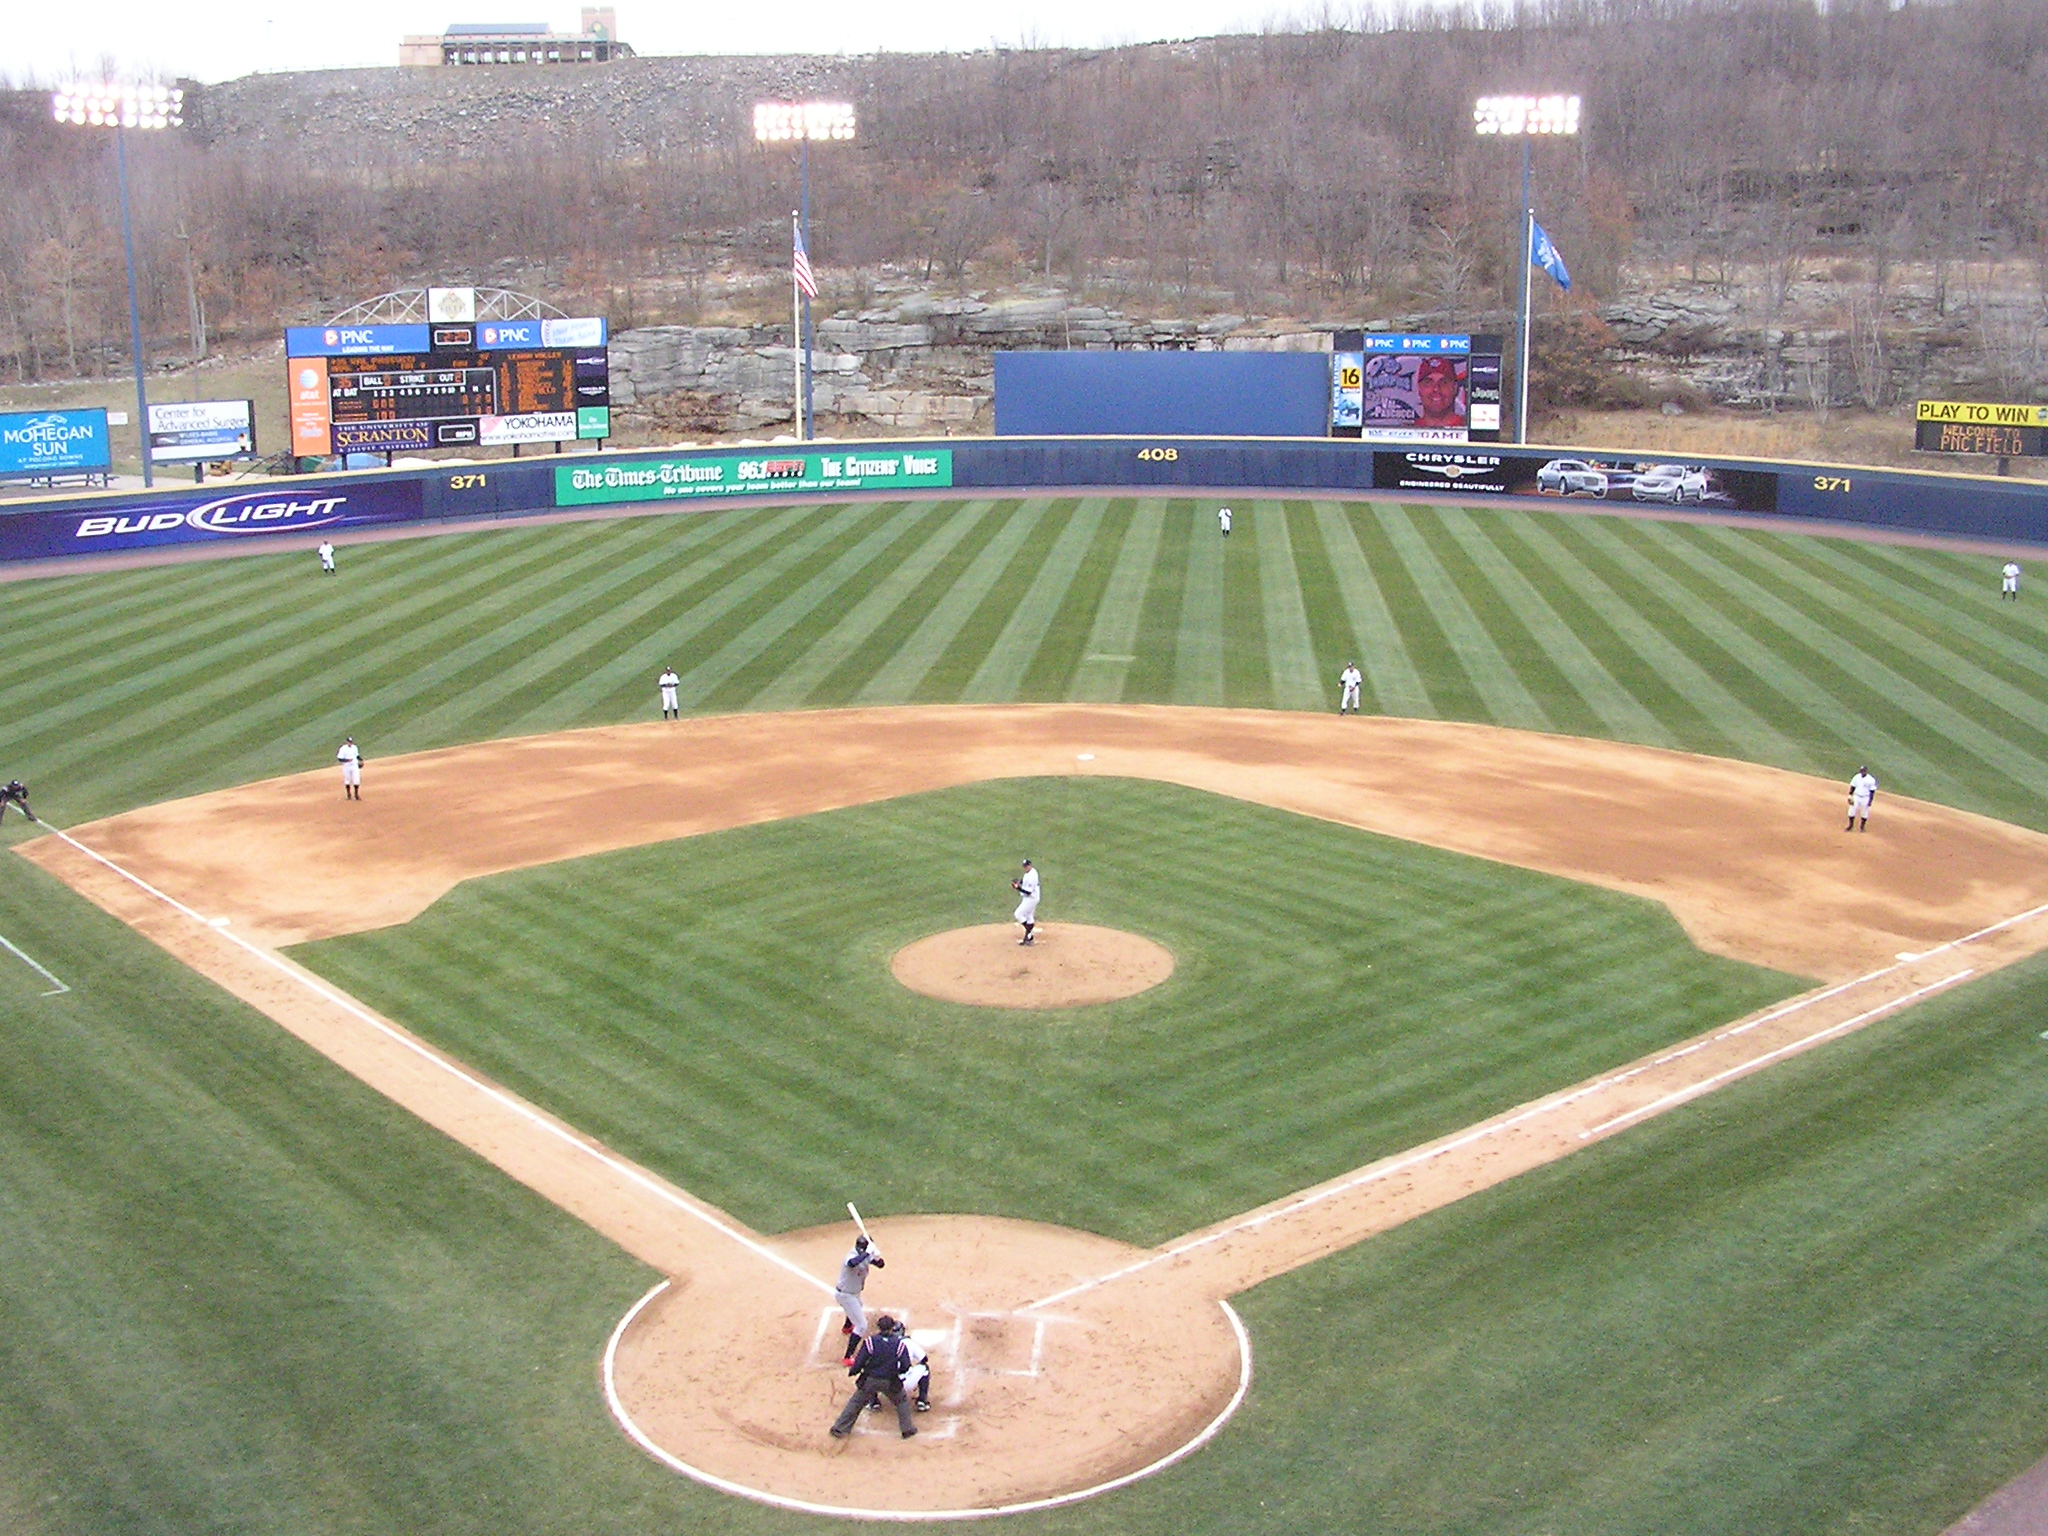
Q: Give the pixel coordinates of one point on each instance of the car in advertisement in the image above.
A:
(1673, 484)
(1571, 477)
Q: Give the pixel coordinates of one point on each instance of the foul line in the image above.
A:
(495, 1094)
(806, 1506)
(1548, 1106)
(57, 988)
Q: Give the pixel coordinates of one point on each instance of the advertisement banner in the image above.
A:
(1625, 481)
(355, 340)
(386, 436)
(39, 443)
(593, 421)
(1407, 345)
(193, 431)
(586, 331)
(841, 469)
(110, 524)
(1347, 389)
(308, 395)
(540, 427)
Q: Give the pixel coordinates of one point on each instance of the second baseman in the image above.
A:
(351, 759)
(668, 683)
(1862, 790)
(1350, 677)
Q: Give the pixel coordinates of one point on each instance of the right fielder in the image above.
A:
(1026, 887)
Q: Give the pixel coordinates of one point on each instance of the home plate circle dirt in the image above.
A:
(737, 1386)
(1069, 965)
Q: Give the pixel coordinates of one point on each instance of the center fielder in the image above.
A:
(1026, 887)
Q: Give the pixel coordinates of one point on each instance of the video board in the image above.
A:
(406, 388)
(2007, 431)
(1414, 388)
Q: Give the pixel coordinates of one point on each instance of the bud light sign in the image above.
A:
(106, 529)
(38, 443)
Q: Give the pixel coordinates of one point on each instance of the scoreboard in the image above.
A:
(404, 388)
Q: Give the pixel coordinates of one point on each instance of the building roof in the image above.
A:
(497, 29)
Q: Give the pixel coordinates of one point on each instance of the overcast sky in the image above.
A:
(56, 42)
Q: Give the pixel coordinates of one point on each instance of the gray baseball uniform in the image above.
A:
(853, 1279)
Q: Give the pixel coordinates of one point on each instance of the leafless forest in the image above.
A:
(1327, 172)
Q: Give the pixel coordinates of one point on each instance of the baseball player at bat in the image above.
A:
(853, 1279)
(1026, 887)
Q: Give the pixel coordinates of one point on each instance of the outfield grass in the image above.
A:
(721, 1008)
(1809, 1303)
(1811, 654)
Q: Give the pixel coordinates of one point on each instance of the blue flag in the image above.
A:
(1543, 254)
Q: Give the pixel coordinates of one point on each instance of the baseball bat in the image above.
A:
(854, 1211)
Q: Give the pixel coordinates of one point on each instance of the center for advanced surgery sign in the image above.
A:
(751, 474)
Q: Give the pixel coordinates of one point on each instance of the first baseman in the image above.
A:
(668, 683)
(1350, 677)
(1026, 887)
(853, 1278)
(351, 759)
(1862, 790)
(2010, 585)
(15, 793)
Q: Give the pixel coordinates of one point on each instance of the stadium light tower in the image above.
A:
(121, 107)
(780, 122)
(1524, 118)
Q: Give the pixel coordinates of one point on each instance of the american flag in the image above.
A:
(806, 279)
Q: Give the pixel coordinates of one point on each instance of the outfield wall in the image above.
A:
(1995, 511)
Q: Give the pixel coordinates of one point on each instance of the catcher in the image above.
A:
(1026, 886)
(16, 793)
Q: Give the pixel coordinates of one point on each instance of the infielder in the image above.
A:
(1223, 520)
(15, 793)
(1026, 887)
(351, 759)
(853, 1279)
(1350, 677)
(326, 558)
(668, 683)
(2011, 585)
(1862, 790)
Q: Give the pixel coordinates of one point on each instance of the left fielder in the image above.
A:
(1026, 887)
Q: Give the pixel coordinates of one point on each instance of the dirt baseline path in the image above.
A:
(1024, 1322)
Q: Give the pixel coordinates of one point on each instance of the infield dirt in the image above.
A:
(1030, 1324)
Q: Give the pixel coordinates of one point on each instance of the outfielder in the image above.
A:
(1026, 887)
(326, 558)
(351, 759)
(853, 1278)
(2010, 586)
(1223, 520)
(1862, 790)
(1350, 677)
(668, 683)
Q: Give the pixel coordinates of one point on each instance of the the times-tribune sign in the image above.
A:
(36, 443)
(848, 469)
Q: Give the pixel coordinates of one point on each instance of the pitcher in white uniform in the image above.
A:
(1026, 887)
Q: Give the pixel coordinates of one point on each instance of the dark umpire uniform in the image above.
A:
(881, 1363)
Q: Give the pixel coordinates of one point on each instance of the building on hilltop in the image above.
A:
(520, 42)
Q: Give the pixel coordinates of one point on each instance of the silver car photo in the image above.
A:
(1674, 484)
(1570, 477)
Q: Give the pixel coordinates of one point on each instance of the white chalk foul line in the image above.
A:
(1709, 1084)
(57, 988)
(675, 1463)
(635, 1176)
(1550, 1106)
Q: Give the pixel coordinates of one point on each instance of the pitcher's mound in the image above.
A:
(1069, 966)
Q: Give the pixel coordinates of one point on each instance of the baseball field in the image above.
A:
(268, 1278)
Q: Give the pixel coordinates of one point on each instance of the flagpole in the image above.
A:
(1528, 246)
(810, 382)
(796, 330)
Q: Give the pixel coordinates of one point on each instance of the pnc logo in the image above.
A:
(357, 338)
(331, 337)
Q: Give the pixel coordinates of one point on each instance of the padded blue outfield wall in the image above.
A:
(1996, 511)
(1181, 394)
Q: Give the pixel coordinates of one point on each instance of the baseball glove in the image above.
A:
(1016, 885)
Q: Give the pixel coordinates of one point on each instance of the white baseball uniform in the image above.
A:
(1223, 520)
(326, 557)
(1027, 884)
(1350, 677)
(1862, 790)
(668, 682)
(351, 761)
(2012, 578)
(917, 1381)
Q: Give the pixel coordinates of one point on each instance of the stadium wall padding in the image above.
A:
(1998, 512)
(1234, 394)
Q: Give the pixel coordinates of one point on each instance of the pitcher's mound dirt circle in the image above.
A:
(736, 1385)
(1070, 966)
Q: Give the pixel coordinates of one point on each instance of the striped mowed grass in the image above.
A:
(1807, 653)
